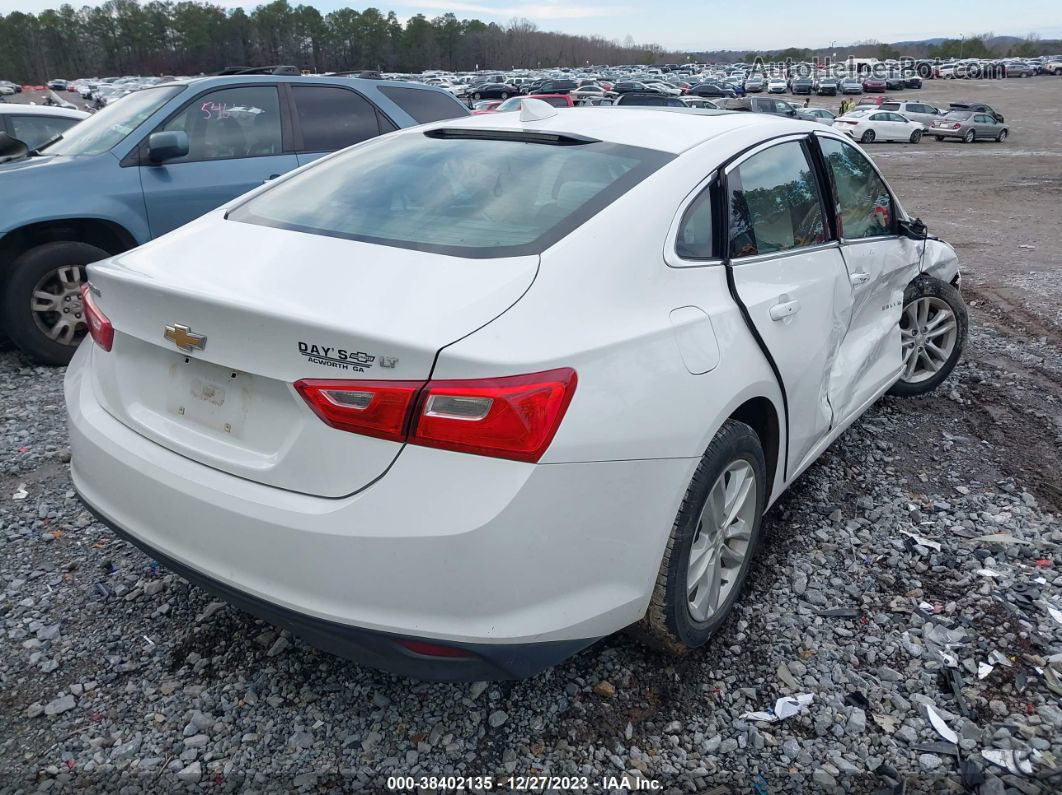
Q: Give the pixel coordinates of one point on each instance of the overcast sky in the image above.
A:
(725, 24)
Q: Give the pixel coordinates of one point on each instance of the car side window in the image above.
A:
(774, 202)
(425, 106)
(694, 240)
(333, 118)
(230, 123)
(864, 204)
(36, 130)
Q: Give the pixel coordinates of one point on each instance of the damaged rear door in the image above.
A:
(791, 279)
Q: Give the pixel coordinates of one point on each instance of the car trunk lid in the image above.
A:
(215, 322)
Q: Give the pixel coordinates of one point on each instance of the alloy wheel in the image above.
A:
(721, 541)
(928, 333)
(56, 305)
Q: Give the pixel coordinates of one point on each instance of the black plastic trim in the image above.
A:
(491, 662)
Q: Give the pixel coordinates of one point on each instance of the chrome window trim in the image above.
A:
(789, 252)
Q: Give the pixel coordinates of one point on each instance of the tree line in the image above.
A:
(188, 37)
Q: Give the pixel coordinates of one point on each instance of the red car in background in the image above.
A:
(872, 100)
(513, 103)
(875, 84)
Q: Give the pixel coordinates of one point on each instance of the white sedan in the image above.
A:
(777, 86)
(869, 125)
(498, 387)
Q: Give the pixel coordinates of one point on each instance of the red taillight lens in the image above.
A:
(100, 328)
(514, 417)
(371, 408)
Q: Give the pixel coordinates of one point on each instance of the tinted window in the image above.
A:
(333, 118)
(694, 240)
(424, 106)
(890, 105)
(36, 130)
(863, 202)
(457, 195)
(230, 123)
(774, 203)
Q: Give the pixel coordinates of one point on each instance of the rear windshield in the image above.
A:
(890, 105)
(959, 115)
(464, 196)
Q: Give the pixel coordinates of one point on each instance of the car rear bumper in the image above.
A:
(946, 133)
(520, 564)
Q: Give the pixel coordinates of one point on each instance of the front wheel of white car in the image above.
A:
(933, 329)
(712, 543)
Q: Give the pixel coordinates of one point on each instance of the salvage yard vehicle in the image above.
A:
(921, 112)
(35, 125)
(868, 125)
(969, 126)
(501, 386)
(156, 159)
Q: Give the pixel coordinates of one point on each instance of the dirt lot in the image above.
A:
(114, 673)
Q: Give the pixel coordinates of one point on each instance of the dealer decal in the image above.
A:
(339, 358)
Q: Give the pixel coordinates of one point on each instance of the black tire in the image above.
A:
(928, 286)
(668, 625)
(504, 95)
(916, 136)
(477, 96)
(970, 137)
(867, 137)
(939, 137)
(27, 272)
(1002, 135)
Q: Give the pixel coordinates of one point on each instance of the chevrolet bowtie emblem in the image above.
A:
(184, 338)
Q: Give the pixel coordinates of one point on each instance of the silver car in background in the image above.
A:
(921, 112)
(969, 126)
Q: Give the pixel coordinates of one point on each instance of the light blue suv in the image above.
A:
(155, 160)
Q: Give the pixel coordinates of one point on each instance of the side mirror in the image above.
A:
(914, 229)
(11, 148)
(163, 146)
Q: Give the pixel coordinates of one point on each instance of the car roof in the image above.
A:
(362, 83)
(679, 130)
(42, 110)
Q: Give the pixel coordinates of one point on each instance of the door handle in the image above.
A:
(784, 310)
(859, 278)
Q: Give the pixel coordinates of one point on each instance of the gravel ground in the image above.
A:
(116, 675)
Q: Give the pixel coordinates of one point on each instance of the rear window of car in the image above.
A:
(959, 115)
(424, 106)
(455, 192)
(890, 105)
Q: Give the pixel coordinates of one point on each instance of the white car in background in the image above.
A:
(777, 85)
(519, 393)
(36, 125)
(867, 125)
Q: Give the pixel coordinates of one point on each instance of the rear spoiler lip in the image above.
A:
(522, 136)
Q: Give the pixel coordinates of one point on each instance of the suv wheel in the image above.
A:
(933, 328)
(41, 303)
(711, 545)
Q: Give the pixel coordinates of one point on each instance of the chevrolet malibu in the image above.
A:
(423, 405)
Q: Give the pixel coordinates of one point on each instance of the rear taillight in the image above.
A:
(371, 408)
(514, 417)
(100, 328)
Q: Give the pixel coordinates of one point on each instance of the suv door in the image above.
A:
(236, 142)
(791, 279)
(328, 118)
(880, 263)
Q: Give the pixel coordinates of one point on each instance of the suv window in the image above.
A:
(36, 130)
(893, 106)
(230, 123)
(864, 205)
(424, 106)
(694, 240)
(774, 203)
(333, 118)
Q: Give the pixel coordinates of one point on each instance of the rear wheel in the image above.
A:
(504, 95)
(477, 96)
(712, 543)
(867, 137)
(970, 137)
(41, 303)
(916, 136)
(933, 328)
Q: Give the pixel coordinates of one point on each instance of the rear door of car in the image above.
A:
(985, 125)
(790, 278)
(239, 136)
(328, 117)
(880, 263)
